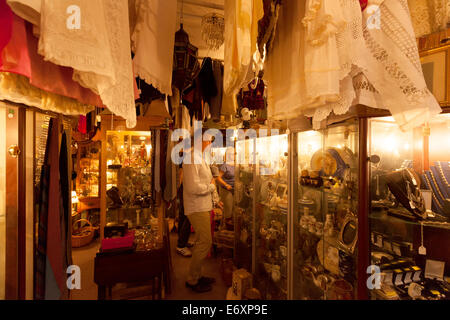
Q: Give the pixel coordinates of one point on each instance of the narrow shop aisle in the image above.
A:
(84, 258)
(180, 268)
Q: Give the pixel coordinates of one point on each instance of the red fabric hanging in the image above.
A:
(363, 4)
(82, 124)
(6, 21)
(20, 56)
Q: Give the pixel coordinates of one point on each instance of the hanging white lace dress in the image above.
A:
(380, 67)
(394, 67)
(323, 19)
(350, 51)
(153, 42)
(98, 51)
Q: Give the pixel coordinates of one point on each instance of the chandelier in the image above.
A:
(213, 26)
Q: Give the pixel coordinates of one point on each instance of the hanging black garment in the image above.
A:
(207, 80)
(148, 92)
(192, 99)
(66, 215)
(216, 101)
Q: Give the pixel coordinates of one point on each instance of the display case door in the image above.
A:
(10, 204)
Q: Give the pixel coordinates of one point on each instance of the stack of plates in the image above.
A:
(333, 161)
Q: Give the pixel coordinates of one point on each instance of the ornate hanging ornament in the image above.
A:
(213, 29)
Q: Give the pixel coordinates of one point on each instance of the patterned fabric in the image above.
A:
(17, 88)
(20, 56)
(429, 16)
(99, 52)
(394, 67)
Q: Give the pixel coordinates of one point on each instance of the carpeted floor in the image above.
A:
(84, 257)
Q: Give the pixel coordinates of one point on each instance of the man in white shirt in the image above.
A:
(199, 194)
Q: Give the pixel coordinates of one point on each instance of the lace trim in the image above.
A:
(339, 107)
(153, 80)
(398, 34)
(408, 88)
(98, 52)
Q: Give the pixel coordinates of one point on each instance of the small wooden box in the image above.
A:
(242, 281)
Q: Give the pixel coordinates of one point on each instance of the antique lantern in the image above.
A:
(185, 64)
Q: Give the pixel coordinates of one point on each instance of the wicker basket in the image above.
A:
(84, 235)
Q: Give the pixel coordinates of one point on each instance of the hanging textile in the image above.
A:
(15, 56)
(323, 19)
(394, 67)
(82, 128)
(54, 215)
(268, 24)
(284, 67)
(29, 10)
(429, 16)
(216, 101)
(17, 88)
(153, 42)
(20, 56)
(99, 52)
(207, 81)
(241, 32)
(351, 53)
(66, 211)
(193, 100)
(170, 191)
(6, 25)
(43, 203)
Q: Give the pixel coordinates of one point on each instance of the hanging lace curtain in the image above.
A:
(99, 51)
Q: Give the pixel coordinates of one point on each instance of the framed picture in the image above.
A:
(435, 66)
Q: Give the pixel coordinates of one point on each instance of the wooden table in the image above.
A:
(128, 267)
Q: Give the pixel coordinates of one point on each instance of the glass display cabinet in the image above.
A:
(244, 217)
(128, 177)
(410, 209)
(88, 172)
(271, 221)
(325, 220)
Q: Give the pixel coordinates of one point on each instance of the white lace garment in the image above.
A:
(153, 42)
(99, 51)
(429, 16)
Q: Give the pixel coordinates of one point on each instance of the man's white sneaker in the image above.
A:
(185, 252)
